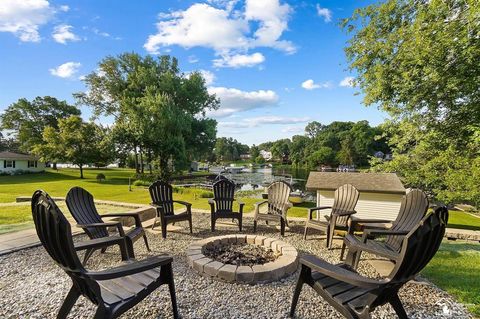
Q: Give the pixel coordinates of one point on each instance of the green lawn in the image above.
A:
(456, 269)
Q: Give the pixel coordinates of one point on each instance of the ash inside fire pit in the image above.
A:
(240, 254)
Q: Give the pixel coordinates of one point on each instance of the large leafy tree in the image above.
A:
(28, 119)
(419, 57)
(76, 142)
(418, 60)
(130, 87)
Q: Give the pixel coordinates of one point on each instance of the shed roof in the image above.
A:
(364, 182)
(17, 156)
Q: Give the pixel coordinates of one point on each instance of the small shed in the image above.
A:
(11, 162)
(380, 193)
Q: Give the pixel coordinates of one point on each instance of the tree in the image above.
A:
(313, 129)
(417, 60)
(323, 156)
(229, 149)
(129, 86)
(29, 118)
(281, 148)
(254, 152)
(419, 57)
(298, 149)
(74, 141)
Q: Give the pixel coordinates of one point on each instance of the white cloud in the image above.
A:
(263, 120)
(66, 70)
(192, 59)
(199, 25)
(62, 33)
(64, 8)
(234, 100)
(229, 32)
(239, 60)
(293, 129)
(101, 33)
(208, 76)
(24, 18)
(347, 82)
(325, 13)
(311, 85)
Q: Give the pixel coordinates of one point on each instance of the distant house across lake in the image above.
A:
(12, 163)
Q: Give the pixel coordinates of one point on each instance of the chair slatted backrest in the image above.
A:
(81, 205)
(420, 245)
(162, 194)
(278, 194)
(345, 199)
(55, 234)
(413, 208)
(223, 195)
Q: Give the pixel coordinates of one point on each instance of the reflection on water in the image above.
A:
(258, 178)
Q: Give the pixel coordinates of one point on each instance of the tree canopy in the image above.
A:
(75, 141)
(28, 119)
(418, 60)
(158, 110)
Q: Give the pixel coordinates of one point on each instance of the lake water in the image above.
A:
(257, 178)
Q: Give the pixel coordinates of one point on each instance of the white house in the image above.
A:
(266, 155)
(380, 193)
(14, 162)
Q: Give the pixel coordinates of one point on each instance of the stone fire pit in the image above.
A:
(266, 260)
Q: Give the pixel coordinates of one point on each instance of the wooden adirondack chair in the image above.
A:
(114, 290)
(222, 203)
(162, 200)
(344, 202)
(355, 296)
(278, 205)
(81, 205)
(412, 209)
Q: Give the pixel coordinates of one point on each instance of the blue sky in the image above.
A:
(275, 65)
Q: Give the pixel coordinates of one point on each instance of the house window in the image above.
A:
(32, 164)
(8, 164)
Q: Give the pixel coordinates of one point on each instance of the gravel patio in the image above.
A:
(32, 286)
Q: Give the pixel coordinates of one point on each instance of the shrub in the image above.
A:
(205, 194)
(101, 177)
(140, 182)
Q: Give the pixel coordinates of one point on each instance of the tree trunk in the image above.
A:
(81, 170)
(141, 160)
(164, 169)
(149, 159)
(54, 166)
(136, 160)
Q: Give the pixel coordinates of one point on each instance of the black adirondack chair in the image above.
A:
(278, 205)
(221, 205)
(114, 290)
(162, 199)
(81, 205)
(355, 296)
(412, 209)
(344, 202)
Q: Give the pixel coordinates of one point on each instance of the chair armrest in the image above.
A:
(131, 268)
(319, 208)
(385, 232)
(136, 216)
(106, 224)
(369, 220)
(182, 203)
(338, 272)
(312, 209)
(257, 204)
(344, 212)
